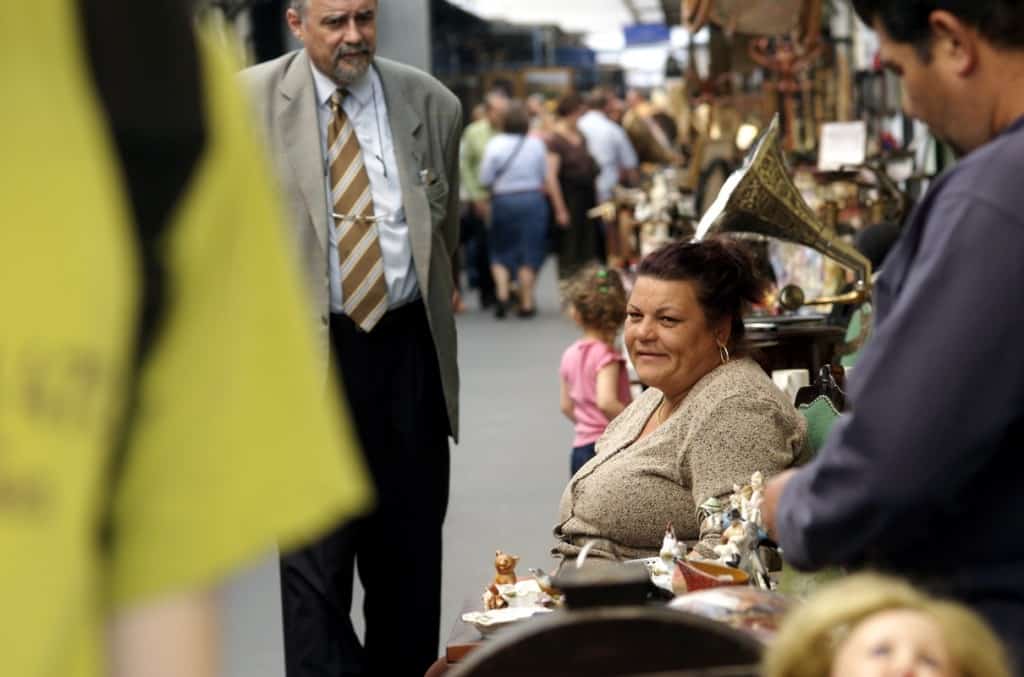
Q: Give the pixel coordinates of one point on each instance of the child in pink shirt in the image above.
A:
(595, 385)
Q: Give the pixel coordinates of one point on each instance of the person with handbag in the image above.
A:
(515, 170)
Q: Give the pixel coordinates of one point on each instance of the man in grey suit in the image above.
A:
(367, 151)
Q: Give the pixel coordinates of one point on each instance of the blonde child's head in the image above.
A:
(596, 299)
(833, 631)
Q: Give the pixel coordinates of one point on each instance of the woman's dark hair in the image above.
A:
(1001, 22)
(569, 104)
(517, 120)
(724, 272)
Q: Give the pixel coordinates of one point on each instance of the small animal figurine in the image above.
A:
(505, 566)
(544, 582)
(493, 599)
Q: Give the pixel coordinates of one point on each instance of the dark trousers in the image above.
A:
(475, 242)
(392, 385)
(581, 455)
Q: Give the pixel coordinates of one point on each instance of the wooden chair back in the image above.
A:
(615, 641)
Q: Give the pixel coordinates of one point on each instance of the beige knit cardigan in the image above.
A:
(733, 422)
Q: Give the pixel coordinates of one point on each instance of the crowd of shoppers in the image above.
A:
(515, 213)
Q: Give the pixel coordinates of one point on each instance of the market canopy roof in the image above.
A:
(576, 16)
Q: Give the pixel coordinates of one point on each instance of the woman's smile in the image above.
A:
(649, 355)
(668, 336)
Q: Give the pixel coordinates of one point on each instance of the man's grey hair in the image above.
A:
(300, 5)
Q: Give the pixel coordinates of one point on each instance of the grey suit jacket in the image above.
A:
(426, 123)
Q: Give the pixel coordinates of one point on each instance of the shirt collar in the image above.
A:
(361, 90)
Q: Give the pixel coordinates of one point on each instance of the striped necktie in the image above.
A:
(364, 290)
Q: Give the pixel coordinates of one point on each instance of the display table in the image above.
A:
(463, 637)
(800, 345)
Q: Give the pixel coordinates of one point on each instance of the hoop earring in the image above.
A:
(723, 353)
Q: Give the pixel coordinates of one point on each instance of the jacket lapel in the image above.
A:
(407, 135)
(301, 132)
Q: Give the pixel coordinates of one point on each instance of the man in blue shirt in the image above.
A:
(920, 478)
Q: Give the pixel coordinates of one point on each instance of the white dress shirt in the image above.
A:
(610, 146)
(368, 114)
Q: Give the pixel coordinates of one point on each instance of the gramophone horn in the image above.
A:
(759, 197)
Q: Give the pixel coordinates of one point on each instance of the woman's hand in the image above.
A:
(482, 209)
(562, 217)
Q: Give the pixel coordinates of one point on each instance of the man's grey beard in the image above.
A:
(345, 73)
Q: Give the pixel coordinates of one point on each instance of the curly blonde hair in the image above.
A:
(810, 636)
(597, 295)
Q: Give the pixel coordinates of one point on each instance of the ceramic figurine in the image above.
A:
(729, 554)
(711, 511)
(754, 509)
(732, 550)
(544, 582)
(668, 543)
(756, 499)
(736, 499)
(711, 516)
(493, 600)
(505, 568)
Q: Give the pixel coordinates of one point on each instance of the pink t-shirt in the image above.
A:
(580, 364)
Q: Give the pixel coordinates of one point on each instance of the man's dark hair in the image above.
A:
(1001, 22)
(597, 100)
(569, 104)
(517, 121)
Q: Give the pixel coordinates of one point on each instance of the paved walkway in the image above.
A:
(508, 473)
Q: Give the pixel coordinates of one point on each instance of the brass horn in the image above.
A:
(759, 197)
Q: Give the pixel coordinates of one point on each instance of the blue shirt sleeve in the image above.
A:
(921, 430)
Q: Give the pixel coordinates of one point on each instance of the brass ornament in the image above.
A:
(757, 17)
(760, 198)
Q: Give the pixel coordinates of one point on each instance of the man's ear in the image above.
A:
(954, 43)
(294, 23)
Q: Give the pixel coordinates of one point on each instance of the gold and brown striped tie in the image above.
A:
(364, 290)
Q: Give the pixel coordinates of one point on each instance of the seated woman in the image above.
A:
(868, 625)
(710, 418)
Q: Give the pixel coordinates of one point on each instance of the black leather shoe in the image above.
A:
(499, 310)
(523, 312)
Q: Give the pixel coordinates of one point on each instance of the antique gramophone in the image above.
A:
(759, 198)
